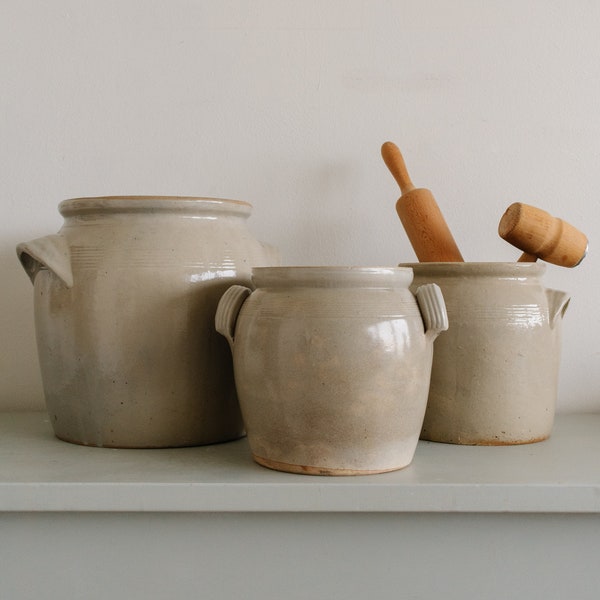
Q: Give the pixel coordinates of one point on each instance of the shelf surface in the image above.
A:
(38, 472)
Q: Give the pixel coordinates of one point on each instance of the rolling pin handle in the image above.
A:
(394, 161)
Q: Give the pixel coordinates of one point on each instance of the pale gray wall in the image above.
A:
(285, 104)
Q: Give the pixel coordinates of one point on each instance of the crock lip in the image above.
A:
(469, 269)
(152, 204)
(330, 276)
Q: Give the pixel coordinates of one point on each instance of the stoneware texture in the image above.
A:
(332, 365)
(495, 372)
(125, 299)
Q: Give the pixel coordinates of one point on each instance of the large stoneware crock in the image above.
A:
(125, 300)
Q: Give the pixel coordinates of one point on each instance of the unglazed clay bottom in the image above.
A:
(309, 470)
(332, 365)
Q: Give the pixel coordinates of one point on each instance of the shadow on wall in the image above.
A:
(20, 380)
(327, 218)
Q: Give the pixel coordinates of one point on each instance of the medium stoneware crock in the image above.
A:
(495, 372)
(125, 299)
(332, 365)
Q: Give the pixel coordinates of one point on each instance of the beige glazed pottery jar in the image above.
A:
(495, 372)
(332, 365)
(125, 299)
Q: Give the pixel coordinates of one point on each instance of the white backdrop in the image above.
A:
(285, 104)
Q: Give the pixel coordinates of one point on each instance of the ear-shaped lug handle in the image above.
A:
(433, 309)
(228, 309)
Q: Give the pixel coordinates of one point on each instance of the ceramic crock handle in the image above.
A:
(433, 308)
(557, 305)
(228, 309)
(50, 252)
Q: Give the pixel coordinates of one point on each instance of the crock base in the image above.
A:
(312, 470)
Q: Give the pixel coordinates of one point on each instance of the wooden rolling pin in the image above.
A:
(540, 235)
(421, 217)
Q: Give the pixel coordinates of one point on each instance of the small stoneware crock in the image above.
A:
(332, 365)
(495, 372)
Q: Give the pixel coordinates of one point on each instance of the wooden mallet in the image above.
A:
(421, 217)
(540, 235)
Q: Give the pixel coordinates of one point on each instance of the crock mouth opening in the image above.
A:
(472, 269)
(332, 276)
(152, 204)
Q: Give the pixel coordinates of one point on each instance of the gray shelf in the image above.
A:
(41, 473)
